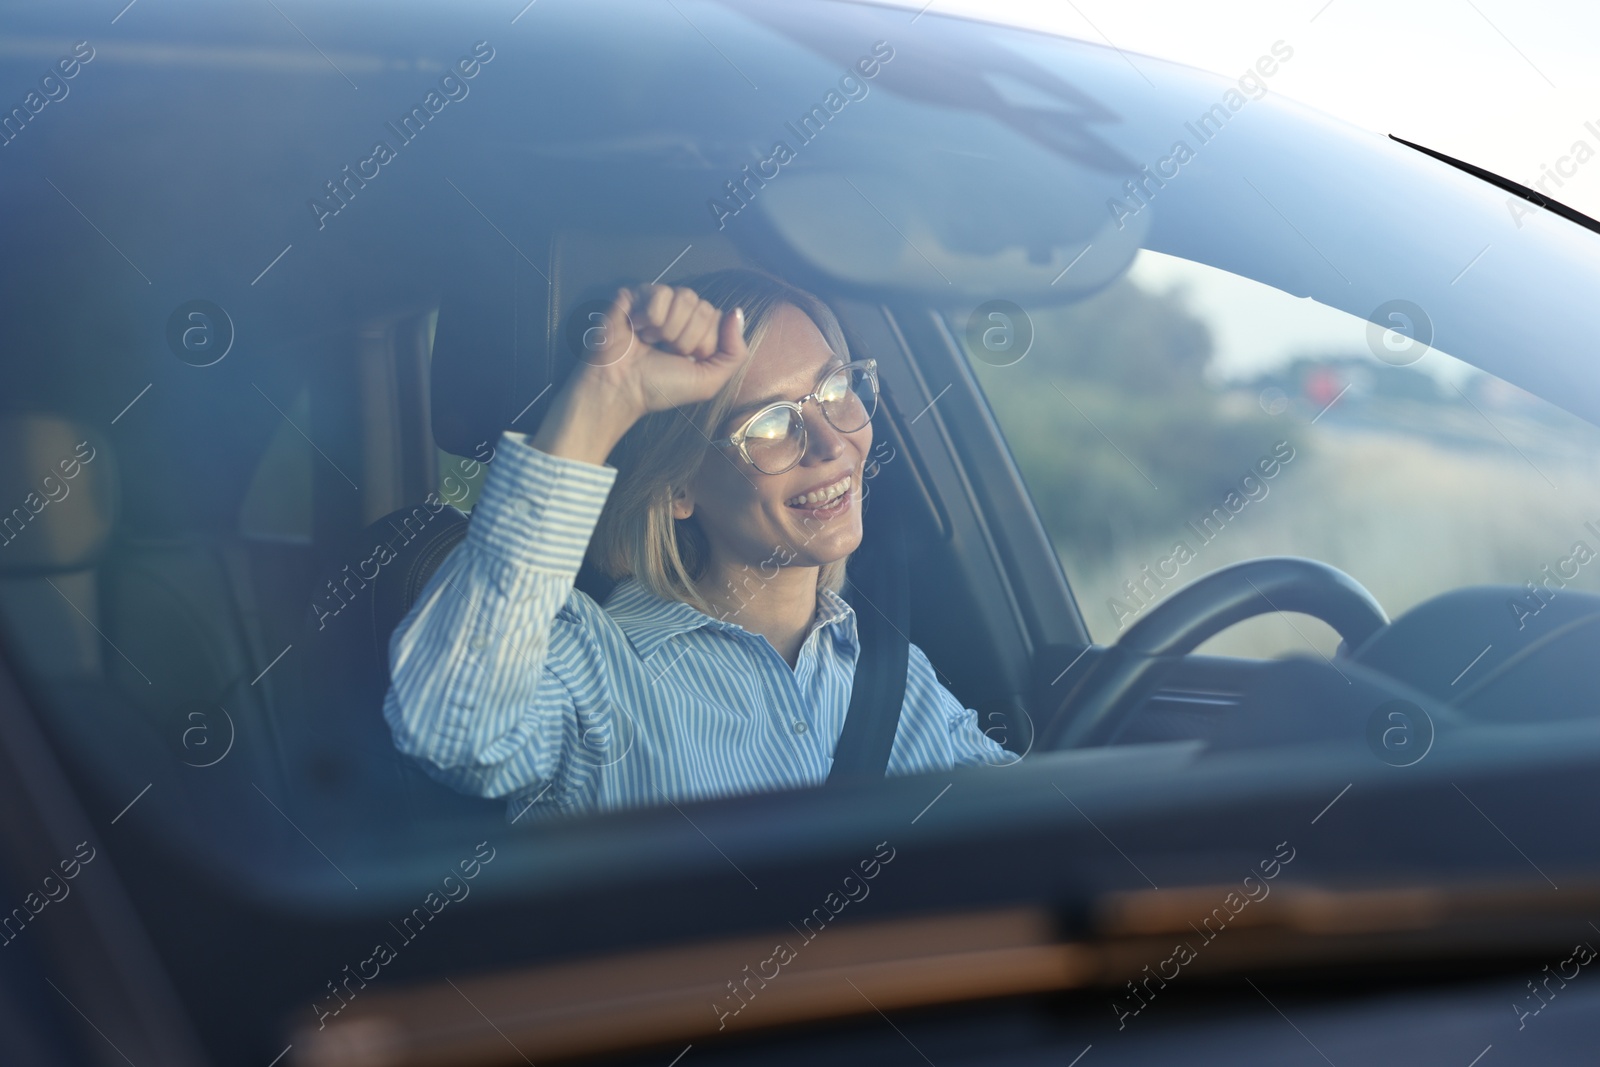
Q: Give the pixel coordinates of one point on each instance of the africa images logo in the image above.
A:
(452, 87)
(1253, 888)
(53, 89)
(812, 123)
(853, 888)
(1205, 127)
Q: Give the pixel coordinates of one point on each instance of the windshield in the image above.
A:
(284, 323)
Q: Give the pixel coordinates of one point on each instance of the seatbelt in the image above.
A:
(879, 593)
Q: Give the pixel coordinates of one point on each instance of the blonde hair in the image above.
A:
(636, 534)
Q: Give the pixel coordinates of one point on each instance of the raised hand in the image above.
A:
(659, 347)
(665, 347)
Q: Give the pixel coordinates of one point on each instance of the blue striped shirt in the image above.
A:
(508, 681)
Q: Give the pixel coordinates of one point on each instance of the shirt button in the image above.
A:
(799, 727)
(525, 506)
(478, 643)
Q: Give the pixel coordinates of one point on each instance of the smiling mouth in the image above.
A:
(828, 494)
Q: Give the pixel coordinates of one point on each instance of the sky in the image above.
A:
(1506, 85)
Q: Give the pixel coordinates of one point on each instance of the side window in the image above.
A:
(277, 506)
(460, 477)
(1187, 418)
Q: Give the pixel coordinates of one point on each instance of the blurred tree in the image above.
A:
(1113, 423)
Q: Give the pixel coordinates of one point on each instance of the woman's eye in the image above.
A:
(771, 425)
(835, 387)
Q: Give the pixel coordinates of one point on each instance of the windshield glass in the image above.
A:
(273, 314)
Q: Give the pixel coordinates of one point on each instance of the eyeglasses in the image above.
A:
(774, 439)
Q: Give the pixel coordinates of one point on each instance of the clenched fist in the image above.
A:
(665, 347)
(659, 347)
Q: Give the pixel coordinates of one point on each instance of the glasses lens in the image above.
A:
(849, 397)
(774, 440)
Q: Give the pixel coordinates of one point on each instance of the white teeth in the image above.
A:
(824, 495)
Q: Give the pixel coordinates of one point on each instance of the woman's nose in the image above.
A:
(825, 442)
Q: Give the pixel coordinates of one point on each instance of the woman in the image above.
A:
(722, 660)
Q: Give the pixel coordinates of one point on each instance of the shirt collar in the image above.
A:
(648, 620)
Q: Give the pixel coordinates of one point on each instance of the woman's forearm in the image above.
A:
(471, 690)
(585, 422)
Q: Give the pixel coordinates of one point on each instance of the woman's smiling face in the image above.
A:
(746, 515)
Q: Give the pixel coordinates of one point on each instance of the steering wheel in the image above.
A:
(1102, 701)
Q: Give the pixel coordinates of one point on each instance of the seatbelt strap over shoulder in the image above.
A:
(880, 595)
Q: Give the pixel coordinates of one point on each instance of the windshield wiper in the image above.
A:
(1509, 186)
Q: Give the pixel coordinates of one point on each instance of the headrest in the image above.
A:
(509, 332)
(58, 494)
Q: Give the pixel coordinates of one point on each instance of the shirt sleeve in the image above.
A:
(969, 743)
(492, 668)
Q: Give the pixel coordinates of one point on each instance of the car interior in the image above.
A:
(165, 620)
(157, 600)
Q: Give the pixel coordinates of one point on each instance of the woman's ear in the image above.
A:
(682, 503)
